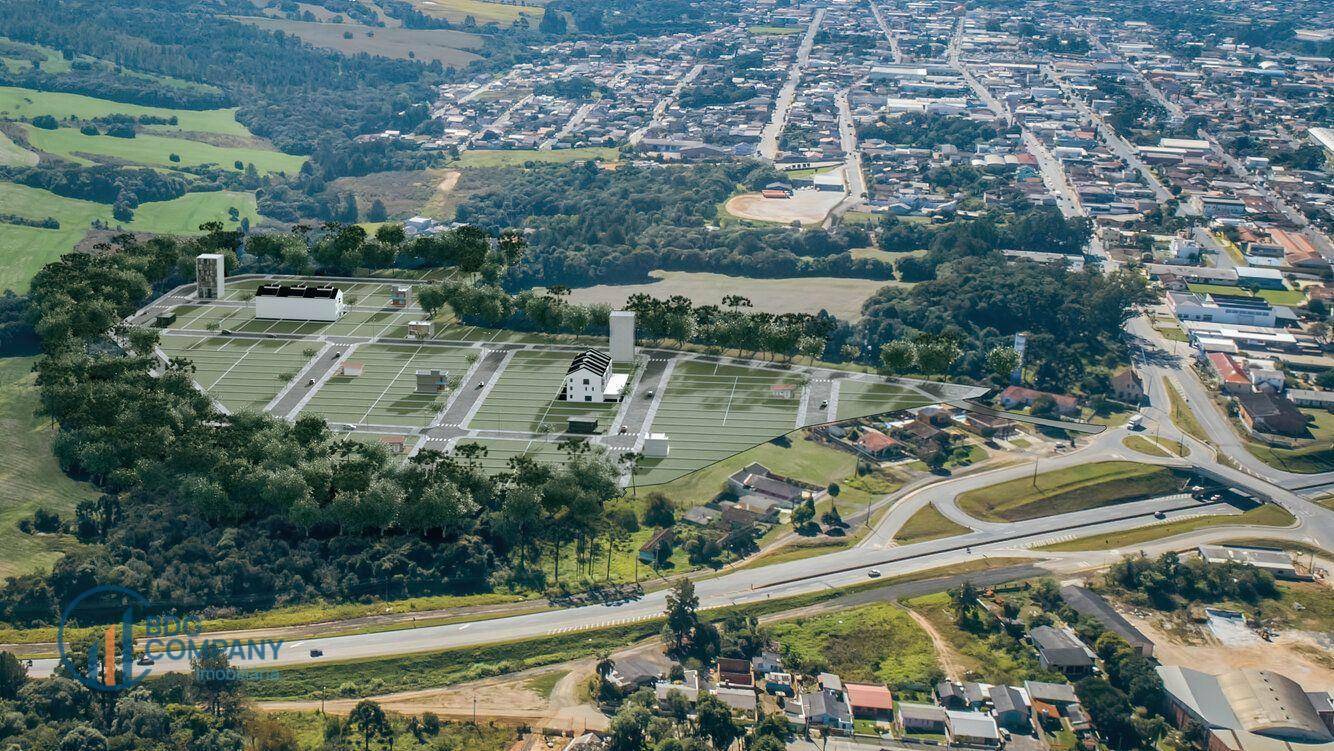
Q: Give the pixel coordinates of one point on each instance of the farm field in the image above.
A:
(243, 374)
(841, 297)
(525, 398)
(27, 249)
(156, 150)
(18, 102)
(386, 392)
(449, 47)
(483, 12)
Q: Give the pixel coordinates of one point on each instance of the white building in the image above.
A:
(657, 446)
(590, 379)
(299, 302)
(210, 276)
(622, 335)
(1232, 309)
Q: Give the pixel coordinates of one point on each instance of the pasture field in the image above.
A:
(711, 412)
(26, 103)
(449, 47)
(13, 155)
(841, 297)
(484, 12)
(156, 150)
(525, 397)
(386, 391)
(243, 374)
(27, 249)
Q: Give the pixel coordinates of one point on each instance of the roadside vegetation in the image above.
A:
(1267, 515)
(927, 524)
(1078, 488)
(875, 643)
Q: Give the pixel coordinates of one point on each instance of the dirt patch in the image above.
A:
(808, 206)
(949, 660)
(1300, 655)
(841, 297)
(406, 194)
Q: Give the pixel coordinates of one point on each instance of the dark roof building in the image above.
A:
(1088, 603)
(1264, 412)
(1058, 650)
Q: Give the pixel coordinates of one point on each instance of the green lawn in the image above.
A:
(1268, 515)
(798, 458)
(927, 524)
(24, 250)
(1275, 296)
(545, 683)
(1163, 448)
(1182, 415)
(29, 476)
(1072, 489)
(1317, 457)
(27, 103)
(516, 157)
(775, 30)
(877, 643)
(156, 150)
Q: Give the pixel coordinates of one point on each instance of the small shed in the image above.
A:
(399, 296)
(421, 329)
(395, 443)
(657, 446)
(432, 381)
(352, 369)
(582, 424)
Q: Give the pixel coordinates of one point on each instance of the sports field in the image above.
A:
(524, 398)
(240, 373)
(386, 391)
(710, 412)
(862, 398)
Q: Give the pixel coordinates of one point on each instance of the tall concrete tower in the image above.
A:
(622, 336)
(210, 276)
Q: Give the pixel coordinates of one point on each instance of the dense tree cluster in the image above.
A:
(1073, 319)
(1168, 581)
(924, 131)
(202, 510)
(1033, 229)
(590, 225)
(100, 183)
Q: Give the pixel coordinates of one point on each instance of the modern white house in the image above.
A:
(299, 302)
(590, 379)
(1233, 309)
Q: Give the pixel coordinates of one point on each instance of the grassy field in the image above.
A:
(775, 30)
(518, 157)
(29, 476)
(1268, 515)
(1076, 488)
(1182, 416)
(156, 150)
(796, 458)
(13, 155)
(1317, 457)
(308, 729)
(927, 524)
(240, 373)
(27, 249)
(449, 47)
(1145, 446)
(386, 392)
(28, 103)
(841, 297)
(1275, 296)
(483, 12)
(875, 643)
(977, 654)
(525, 397)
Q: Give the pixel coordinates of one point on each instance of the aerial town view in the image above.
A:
(690, 375)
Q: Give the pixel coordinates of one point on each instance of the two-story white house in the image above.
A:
(590, 379)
